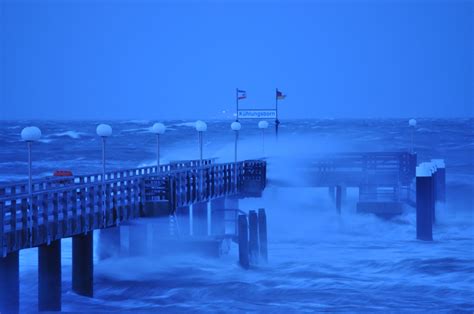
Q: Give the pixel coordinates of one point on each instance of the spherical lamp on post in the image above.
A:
(235, 126)
(158, 129)
(412, 124)
(201, 127)
(104, 131)
(30, 134)
(262, 125)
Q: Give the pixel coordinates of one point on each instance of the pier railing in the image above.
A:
(67, 206)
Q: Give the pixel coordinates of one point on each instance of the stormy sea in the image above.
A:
(318, 260)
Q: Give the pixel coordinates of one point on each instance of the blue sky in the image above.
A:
(184, 59)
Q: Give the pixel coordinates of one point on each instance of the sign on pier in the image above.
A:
(256, 114)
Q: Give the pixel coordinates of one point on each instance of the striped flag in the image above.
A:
(241, 94)
(280, 95)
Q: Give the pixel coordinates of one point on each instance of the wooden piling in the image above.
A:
(243, 242)
(10, 283)
(262, 234)
(253, 237)
(83, 264)
(424, 204)
(49, 277)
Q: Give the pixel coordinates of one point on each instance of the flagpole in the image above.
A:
(277, 122)
(237, 104)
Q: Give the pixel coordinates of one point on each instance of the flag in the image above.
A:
(241, 94)
(279, 95)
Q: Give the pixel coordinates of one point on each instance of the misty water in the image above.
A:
(318, 260)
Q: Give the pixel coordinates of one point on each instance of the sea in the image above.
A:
(319, 261)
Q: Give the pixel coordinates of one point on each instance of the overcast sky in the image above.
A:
(184, 59)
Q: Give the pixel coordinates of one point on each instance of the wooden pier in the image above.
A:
(202, 197)
(74, 206)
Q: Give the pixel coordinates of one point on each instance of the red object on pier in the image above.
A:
(62, 173)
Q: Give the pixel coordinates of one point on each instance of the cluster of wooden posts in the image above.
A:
(252, 238)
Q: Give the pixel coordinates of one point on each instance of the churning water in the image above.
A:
(318, 261)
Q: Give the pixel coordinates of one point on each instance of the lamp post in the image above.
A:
(158, 129)
(412, 124)
(235, 126)
(263, 125)
(30, 134)
(201, 127)
(104, 131)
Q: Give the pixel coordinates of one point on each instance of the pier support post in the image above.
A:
(83, 264)
(182, 214)
(109, 242)
(338, 199)
(253, 237)
(10, 283)
(200, 219)
(243, 242)
(138, 235)
(49, 277)
(332, 193)
(218, 216)
(424, 204)
(262, 234)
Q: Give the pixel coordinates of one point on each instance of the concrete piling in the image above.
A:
(262, 234)
(10, 283)
(243, 242)
(49, 277)
(424, 203)
(83, 264)
(253, 237)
